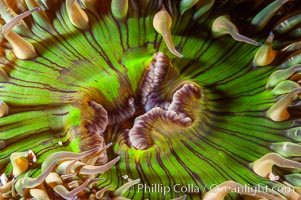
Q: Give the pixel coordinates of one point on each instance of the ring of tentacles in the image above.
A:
(120, 99)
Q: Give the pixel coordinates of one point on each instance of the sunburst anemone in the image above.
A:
(147, 99)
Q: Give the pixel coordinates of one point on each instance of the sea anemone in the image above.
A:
(150, 99)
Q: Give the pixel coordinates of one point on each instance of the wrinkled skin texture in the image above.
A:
(49, 96)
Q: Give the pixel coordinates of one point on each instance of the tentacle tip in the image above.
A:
(36, 9)
(117, 158)
(179, 55)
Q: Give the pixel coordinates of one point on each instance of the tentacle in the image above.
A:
(40, 17)
(77, 16)
(263, 166)
(203, 7)
(222, 26)
(263, 17)
(286, 149)
(23, 184)
(39, 194)
(120, 191)
(63, 192)
(8, 15)
(278, 112)
(162, 22)
(22, 49)
(281, 75)
(288, 24)
(4, 109)
(65, 156)
(21, 161)
(119, 8)
(187, 4)
(265, 54)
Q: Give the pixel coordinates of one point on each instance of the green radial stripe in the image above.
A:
(34, 130)
(47, 95)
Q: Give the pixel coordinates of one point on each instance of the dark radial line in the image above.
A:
(97, 21)
(110, 182)
(229, 132)
(56, 134)
(219, 61)
(19, 124)
(46, 47)
(152, 8)
(127, 165)
(70, 48)
(14, 65)
(150, 166)
(234, 47)
(236, 134)
(158, 43)
(127, 35)
(63, 27)
(198, 154)
(10, 96)
(194, 28)
(144, 177)
(246, 115)
(185, 69)
(141, 175)
(61, 43)
(213, 163)
(53, 63)
(247, 69)
(221, 101)
(120, 33)
(23, 137)
(138, 20)
(231, 98)
(194, 176)
(47, 86)
(209, 161)
(267, 127)
(142, 18)
(210, 142)
(248, 93)
(102, 51)
(42, 88)
(248, 90)
(209, 42)
(128, 169)
(50, 66)
(163, 167)
(233, 76)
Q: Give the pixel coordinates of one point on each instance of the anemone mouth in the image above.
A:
(200, 99)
